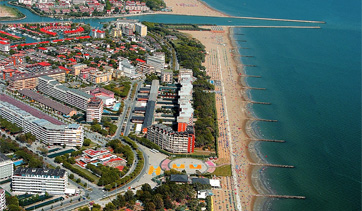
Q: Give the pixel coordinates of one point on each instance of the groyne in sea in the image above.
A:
(257, 163)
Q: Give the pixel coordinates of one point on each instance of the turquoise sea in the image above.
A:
(313, 81)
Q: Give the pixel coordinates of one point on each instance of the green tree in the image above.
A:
(109, 207)
(150, 206)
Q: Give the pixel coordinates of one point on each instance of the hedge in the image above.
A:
(77, 171)
(45, 203)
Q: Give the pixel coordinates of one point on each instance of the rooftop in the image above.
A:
(179, 178)
(23, 107)
(36, 74)
(3, 157)
(40, 172)
(46, 101)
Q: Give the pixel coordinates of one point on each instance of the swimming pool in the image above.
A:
(114, 108)
(18, 162)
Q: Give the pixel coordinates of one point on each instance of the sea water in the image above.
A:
(313, 82)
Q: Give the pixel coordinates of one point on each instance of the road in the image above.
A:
(96, 193)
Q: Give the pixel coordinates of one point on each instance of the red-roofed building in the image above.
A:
(44, 64)
(98, 33)
(42, 49)
(7, 73)
(4, 46)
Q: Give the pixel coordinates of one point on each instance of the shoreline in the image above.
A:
(234, 119)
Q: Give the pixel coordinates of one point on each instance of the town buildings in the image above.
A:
(157, 60)
(30, 80)
(4, 46)
(116, 32)
(167, 76)
(94, 109)
(170, 140)
(186, 112)
(99, 77)
(96, 33)
(126, 67)
(151, 105)
(141, 29)
(182, 140)
(76, 69)
(39, 181)
(2, 200)
(73, 97)
(101, 156)
(48, 103)
(6, 167)
(144, 68)
(45, 128)
(101, 92)
(105, 95)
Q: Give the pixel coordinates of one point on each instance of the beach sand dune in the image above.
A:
(222, 68)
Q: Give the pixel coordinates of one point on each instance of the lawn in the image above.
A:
(88, 173)
(223, 171)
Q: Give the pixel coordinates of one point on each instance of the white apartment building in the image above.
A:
(47, 132)
(4, 46)
(170, 140)
(2, 200)
(39, 180)
(125, 66)
(157, 60)
(73, 97)
(6, 167)
(94, 109)
(186, 114)
(167, 76)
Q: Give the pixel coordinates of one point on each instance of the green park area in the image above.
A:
(223, 171)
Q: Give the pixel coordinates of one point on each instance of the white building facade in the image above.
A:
(2, 200)
(38, 180)
(157, 61)
(47, 132)
(6, 167)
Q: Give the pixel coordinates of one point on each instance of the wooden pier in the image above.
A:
(239, 34)
(249, 65)
(281, 196)
(268, 140)
(271, 165)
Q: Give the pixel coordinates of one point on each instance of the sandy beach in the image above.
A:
(232, 113)
(191, 7)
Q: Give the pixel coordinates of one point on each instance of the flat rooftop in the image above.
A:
(40, 172)
(30, 110)
(3, 157)
(46, 101)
